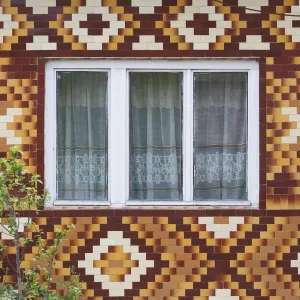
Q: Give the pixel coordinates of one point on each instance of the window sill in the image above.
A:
(151, 205)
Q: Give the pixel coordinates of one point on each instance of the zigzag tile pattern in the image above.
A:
(32, 31)
(170, 24)
(168, 256)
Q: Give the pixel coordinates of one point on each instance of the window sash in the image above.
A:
(118, 125)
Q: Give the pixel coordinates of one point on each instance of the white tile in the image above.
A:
(92, 271)
(205, 220)
(201, 46)
(49, 46)
(33, 46)
(115, 234)
(92, 2)
(139, 3)
(116, 292)
(147, 39)
(40, 39)
(155, 46)
(47, 3)
(110, 31)
(146, 10)
(154, 2)
(199, 3)
(101, 10)
(86, 39)
(208, 10)
(72, 24)
(6, 32)
(12, 25)
(254, 4)
(78, 17)
(246, 46)
(179, 24)
(139, 46)
(294, 132)
(289, 140)
(14, 141)
(94, 46)
(223, 24)
(109, 17)
(5, 17)
(223, 292)
(85, 264)
(101, 39)
(3, 126)
(86, 9)
(253, 38)
(262, 46)
(133, 278)
(91, 256)
(296, 37)
(39, 10)
(236, 220)
(80, 31)
(101, 249)
(185, 16)
(289, 110)
(295, 118)
(6, 133)
(14, 112)
(6, 119)
(216, 17)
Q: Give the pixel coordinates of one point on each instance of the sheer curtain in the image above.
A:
(155, 136)
(81, 136)
(220, 122)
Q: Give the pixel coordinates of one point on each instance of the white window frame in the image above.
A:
(118, 126)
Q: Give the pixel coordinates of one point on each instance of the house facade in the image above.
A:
(167, 132)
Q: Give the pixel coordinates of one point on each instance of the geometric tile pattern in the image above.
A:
(282, 132)
(176, 25)
(31, 31)
(116, 263)
(221, 227)
(172, 255)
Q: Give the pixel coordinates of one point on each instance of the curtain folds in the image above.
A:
(81, 136)
(220, 136)
(155, 136)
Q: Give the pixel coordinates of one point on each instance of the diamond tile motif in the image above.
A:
(116, 263)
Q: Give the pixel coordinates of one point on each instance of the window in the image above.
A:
(124, 132)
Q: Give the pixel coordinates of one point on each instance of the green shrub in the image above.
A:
(19, 192)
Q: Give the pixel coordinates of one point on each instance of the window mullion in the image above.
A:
(50, 133)
(188, 130)
(118, 135)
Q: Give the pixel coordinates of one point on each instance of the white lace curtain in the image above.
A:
(81, 136)
(155, 136)
(220, 123)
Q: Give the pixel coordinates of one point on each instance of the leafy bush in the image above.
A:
(19, 193)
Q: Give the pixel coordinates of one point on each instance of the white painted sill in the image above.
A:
(78, 205)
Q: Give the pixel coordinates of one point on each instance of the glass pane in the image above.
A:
(81, 135)
(220, 136)
(155, 136)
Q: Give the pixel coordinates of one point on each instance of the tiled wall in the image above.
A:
(178, 254)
